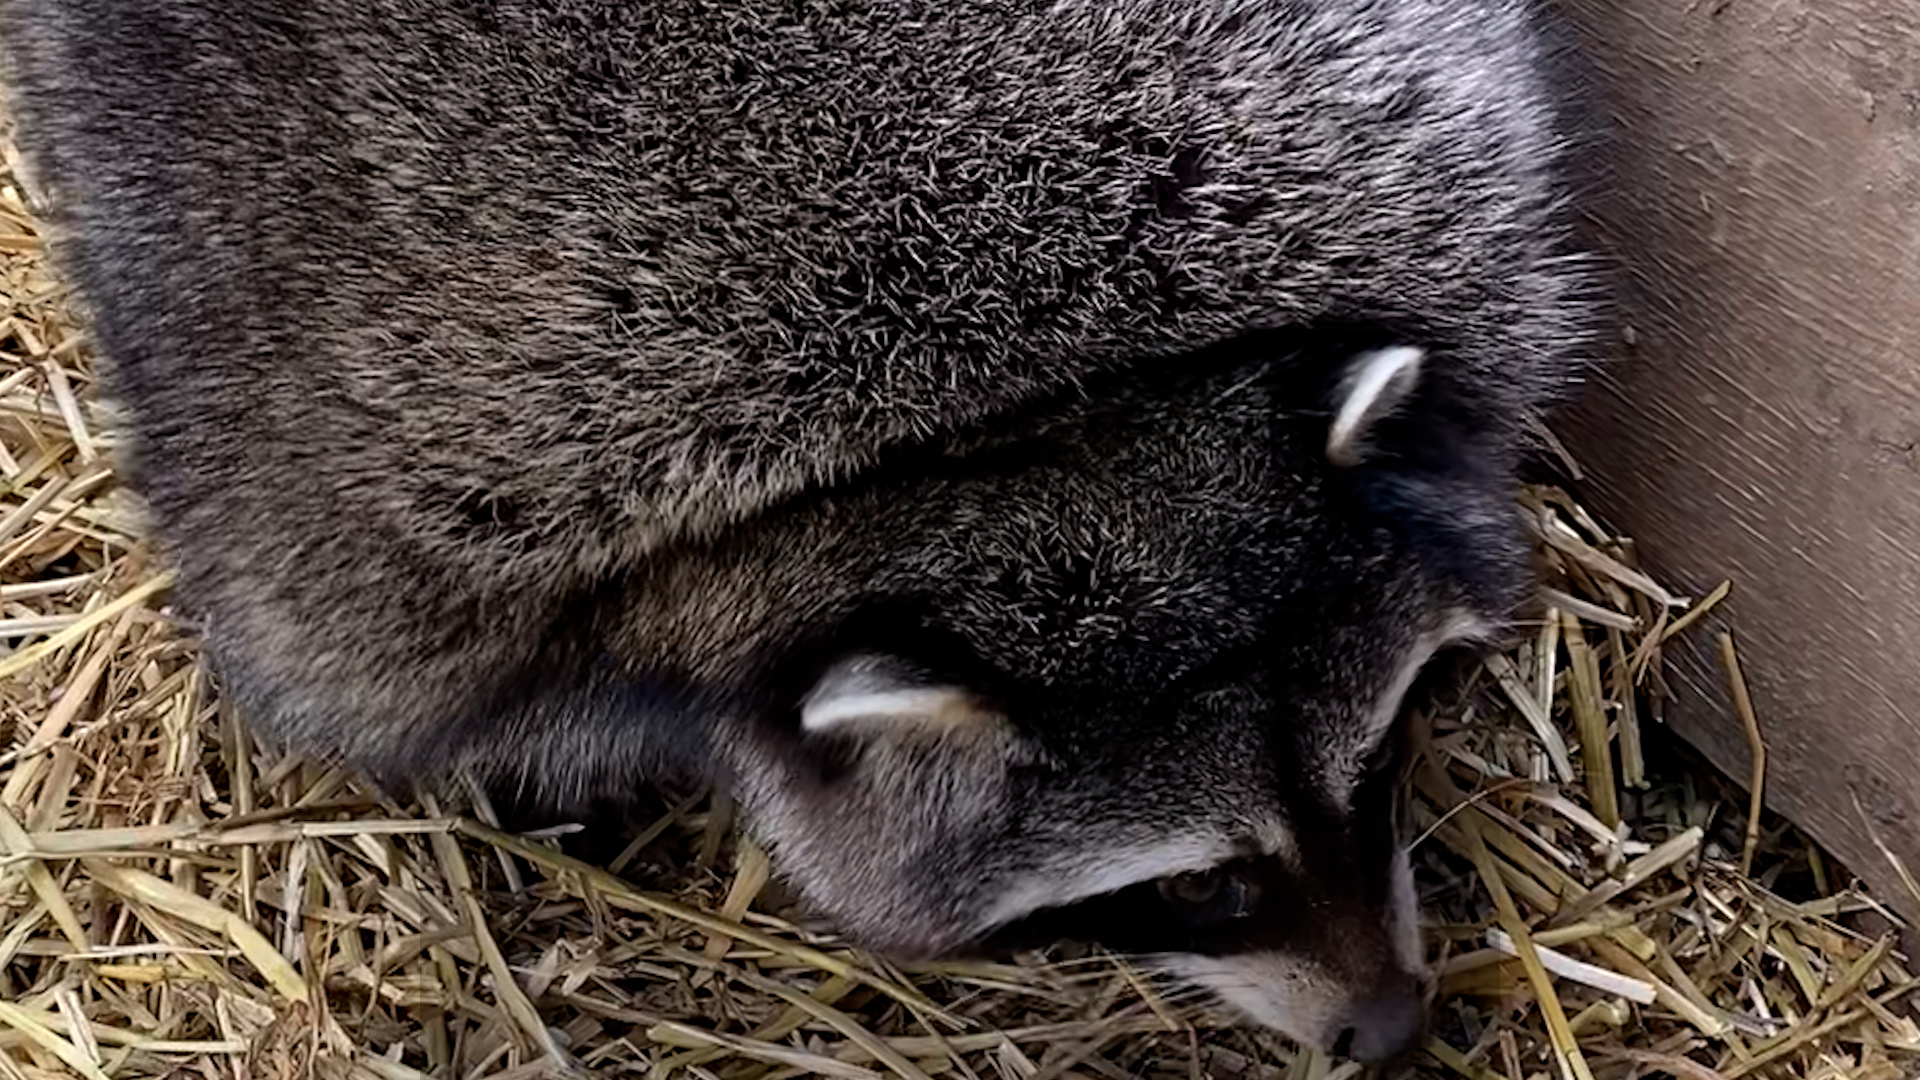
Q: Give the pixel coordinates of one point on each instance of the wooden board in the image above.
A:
(1762, 419)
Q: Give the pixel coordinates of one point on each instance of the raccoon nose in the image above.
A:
(1383, 1029)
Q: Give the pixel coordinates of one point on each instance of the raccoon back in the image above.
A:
(429, 314)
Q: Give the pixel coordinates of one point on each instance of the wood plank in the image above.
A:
(1762, 419)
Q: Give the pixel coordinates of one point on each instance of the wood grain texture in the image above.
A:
(1762, 418)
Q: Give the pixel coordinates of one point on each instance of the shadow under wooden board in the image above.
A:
(1759, 419)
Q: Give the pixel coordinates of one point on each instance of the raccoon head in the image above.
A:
(1235, 828)
(1253, 848)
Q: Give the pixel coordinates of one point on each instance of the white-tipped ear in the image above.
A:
(1377, 383)
(873, 693)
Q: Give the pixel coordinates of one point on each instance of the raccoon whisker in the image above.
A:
(1089, 960)
(1090, 975)
(1075, 981)
(1103, 963)
(1192, 1006)
(1187, 996)
(1085, 965)
(1148, 959)
(1100, 968)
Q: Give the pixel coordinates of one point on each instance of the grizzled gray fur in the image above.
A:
(1025, 447)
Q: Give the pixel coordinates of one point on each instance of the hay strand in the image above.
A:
(1749, 723)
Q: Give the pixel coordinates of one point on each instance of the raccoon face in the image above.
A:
(1252, 849)
(1235, 828)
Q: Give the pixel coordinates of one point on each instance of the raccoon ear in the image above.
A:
(1375, 384)
(877, 693)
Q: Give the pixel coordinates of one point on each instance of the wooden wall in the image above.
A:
(1761, 420)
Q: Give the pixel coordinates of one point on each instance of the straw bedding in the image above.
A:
(176, 900)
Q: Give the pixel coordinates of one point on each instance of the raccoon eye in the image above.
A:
(1223, 894)
(1197, 888)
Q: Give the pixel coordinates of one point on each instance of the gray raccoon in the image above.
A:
(1125, 669)
(576, 391)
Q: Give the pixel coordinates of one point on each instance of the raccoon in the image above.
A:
(1126, 669)
(1025, 449)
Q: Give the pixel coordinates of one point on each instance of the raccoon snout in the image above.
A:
(1383, 1029)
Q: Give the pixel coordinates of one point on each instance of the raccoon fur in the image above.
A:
(1024, 448)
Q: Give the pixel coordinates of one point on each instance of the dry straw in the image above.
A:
(175, 901)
